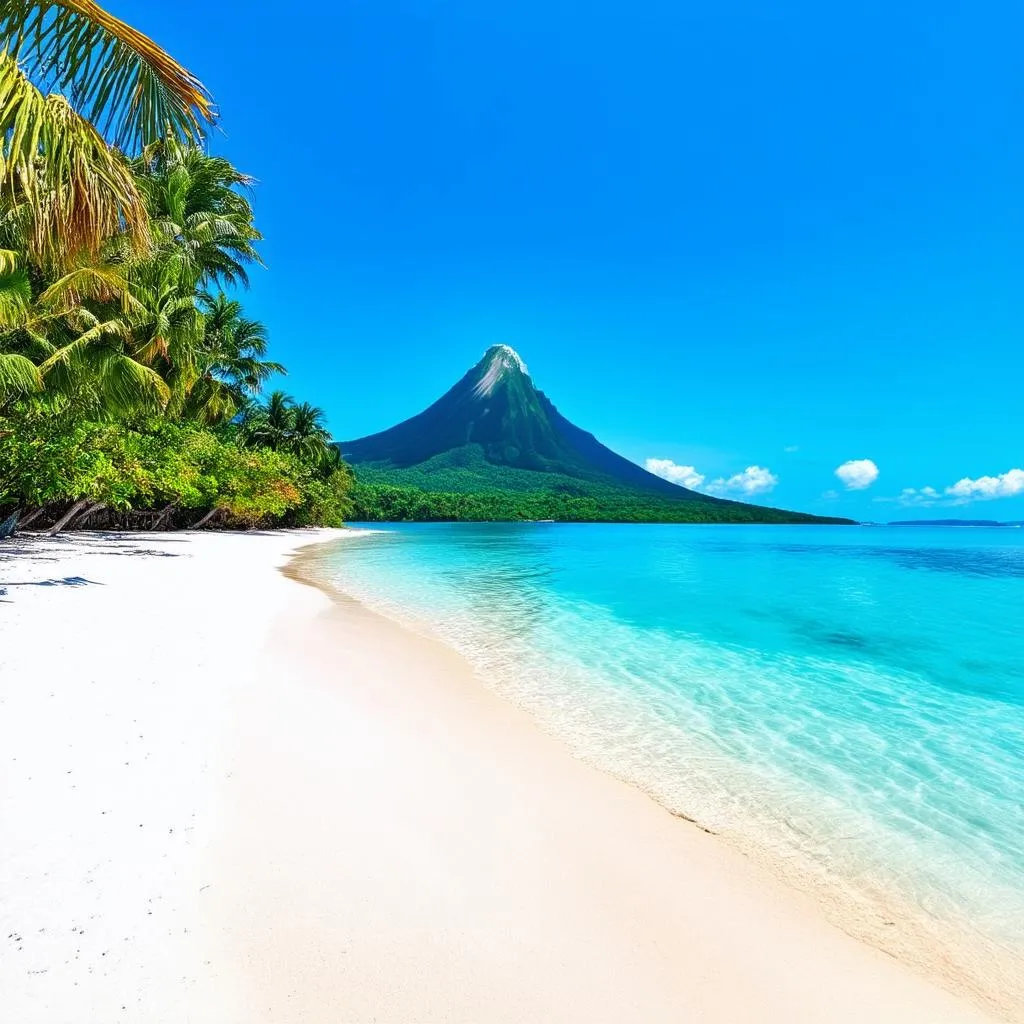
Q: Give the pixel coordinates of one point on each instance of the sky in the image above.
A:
(775, 247)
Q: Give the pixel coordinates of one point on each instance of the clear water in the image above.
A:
(847, 701)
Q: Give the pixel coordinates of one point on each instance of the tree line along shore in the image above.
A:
(132, 382)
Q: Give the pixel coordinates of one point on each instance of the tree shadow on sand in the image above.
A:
(43, 547)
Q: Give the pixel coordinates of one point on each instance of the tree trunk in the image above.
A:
(209, 515)
(164, 513)
(31, 517)
(67, 517)
(9, 527)
(98, 507)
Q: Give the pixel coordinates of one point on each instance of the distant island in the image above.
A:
(951, 522)
(494, 447)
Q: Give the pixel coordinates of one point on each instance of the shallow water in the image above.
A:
(848, 701)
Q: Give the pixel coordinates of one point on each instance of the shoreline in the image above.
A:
(280, 807)
(853, 895)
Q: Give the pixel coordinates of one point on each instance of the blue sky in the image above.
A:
(731, 235)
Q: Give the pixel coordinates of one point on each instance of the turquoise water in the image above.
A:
(846, 702)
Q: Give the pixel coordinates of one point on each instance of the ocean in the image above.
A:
(845, 704)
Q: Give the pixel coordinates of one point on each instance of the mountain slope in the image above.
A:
(494, 433)
(496, 409)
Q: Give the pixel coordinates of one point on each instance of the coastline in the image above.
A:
(870, 896)
(281, 806)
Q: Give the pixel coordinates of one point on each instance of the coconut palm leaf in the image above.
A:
(24, 323)
(128, 386)
(18, 376)
(234, 346)
(200, 213)
(97, 282)
(96, 362)
(167, 325)
(212, 401)
(15, 298)
(308, 421)
(68, 190)
(115, 77)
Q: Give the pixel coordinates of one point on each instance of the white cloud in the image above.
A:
(911, 497)
(753, 480)
(790, 448)
(685, 476)
(963, 492)
(830, 495)
(857, 474)
(985, 488)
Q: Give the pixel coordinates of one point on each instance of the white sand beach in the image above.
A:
(272, 806)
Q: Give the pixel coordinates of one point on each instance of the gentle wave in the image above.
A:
(828, 707)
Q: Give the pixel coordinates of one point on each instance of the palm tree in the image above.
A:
(165, 327)
(73, 77)
(118, 80)
(98, 373)
(270, 425)
(82, 355)
(18, 374)
(235, 345)
(199, 214)
(62, 186)
(299, 430)
(207, 353)
(310, 440)
(129, 242)
(233, 369)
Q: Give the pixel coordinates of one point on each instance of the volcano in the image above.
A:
(494, 431)
(495, 417)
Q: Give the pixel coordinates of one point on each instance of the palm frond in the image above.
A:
(123, 384)
(198, 212)
(129, 386)
(98, 282)
(116, 77)
(15, 298)
(18, 376)
(76, 190)
(93, 332)
(212, 401)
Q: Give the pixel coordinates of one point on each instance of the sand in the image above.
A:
(226, 797)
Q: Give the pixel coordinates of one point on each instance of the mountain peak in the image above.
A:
(497, 363)
(495, 417)
(494, 433)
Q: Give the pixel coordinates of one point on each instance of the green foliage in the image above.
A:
(388, 503)
(46, 460)
(201, 220)
(121, 81)
(18, 376)
(68, 189)
(129, 381)
(466, 469)
(462, 485)
(326, 500)
(493, 447)
(285, 426)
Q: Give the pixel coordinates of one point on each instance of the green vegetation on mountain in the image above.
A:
(494, 447)
(130, 378)
(384, 503)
